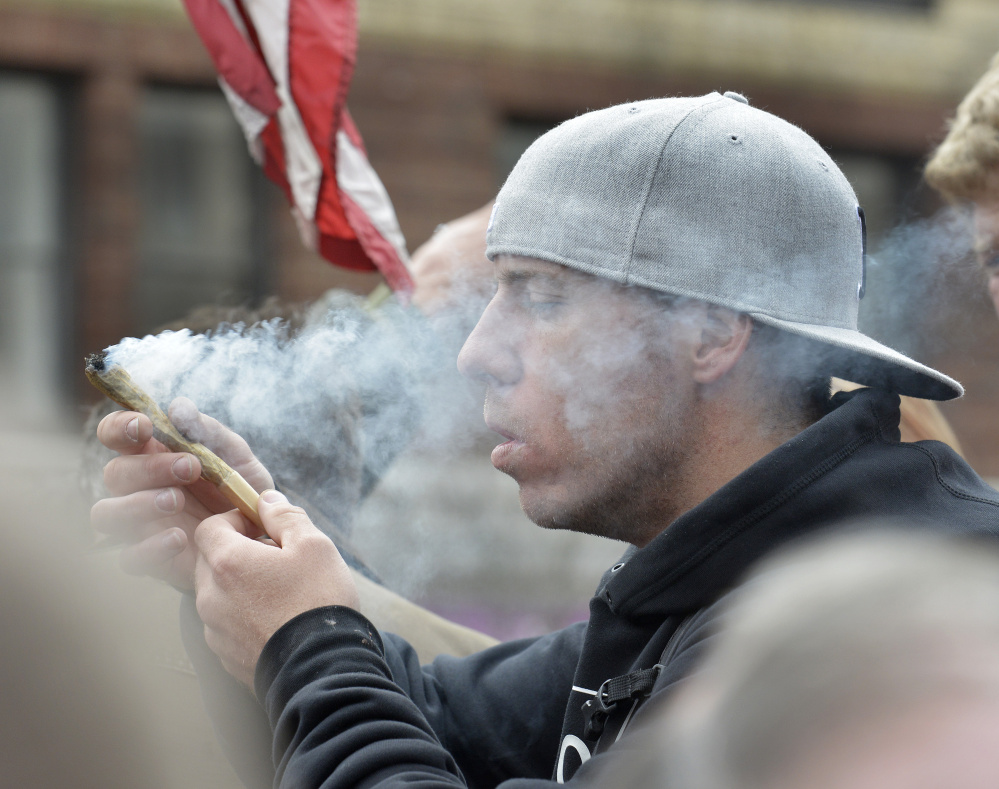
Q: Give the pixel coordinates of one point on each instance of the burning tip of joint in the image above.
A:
(96, 362)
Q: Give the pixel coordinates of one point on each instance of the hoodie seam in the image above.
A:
(909, 445)
(943, 483)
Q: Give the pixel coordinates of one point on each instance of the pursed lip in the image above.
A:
(504, 455)
(496, 428)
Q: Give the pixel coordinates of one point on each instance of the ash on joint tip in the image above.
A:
(96, 362)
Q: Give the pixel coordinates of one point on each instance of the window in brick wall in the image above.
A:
(34, 277)
(204, 218)
(515, 136)
(898, 5)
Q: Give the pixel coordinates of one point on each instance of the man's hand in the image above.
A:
(247, 589)
(157, 496)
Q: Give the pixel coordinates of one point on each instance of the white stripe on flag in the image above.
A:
(251, 120)
(270, 20)
(304, 168)
(359, 180)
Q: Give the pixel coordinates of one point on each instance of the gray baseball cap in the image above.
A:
(713, 199)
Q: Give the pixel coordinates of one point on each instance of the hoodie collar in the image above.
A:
(704, 551)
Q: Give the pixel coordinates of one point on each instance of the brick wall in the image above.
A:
(826, 46)
(436, 80)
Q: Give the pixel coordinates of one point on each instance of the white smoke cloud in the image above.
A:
(327, 407)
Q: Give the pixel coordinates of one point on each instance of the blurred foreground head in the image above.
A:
(453, 276)
(76, 709)
(862, 661)
(965, 168)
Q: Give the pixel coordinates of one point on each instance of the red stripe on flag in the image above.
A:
(240, 66)
(275, 166)
(321, 52)
(378, 249)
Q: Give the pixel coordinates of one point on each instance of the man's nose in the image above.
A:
(490, 353)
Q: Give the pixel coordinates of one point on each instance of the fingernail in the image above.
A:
(172, 541)
(273, 497)
(166, 500)
(182, 468)
(132, 429)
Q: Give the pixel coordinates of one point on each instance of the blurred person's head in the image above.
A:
(677, 281)
(452, 275)
(74, 710)
(965, 168)
(867, 660)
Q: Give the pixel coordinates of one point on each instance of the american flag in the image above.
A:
(285, 66)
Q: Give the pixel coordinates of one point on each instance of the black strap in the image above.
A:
(637, 684)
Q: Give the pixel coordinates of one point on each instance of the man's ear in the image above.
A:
(723, 339)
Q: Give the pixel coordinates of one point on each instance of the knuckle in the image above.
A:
(112, 471)
(223, 567)
(214, 642)
(315, 542)
(201, 605)
(105, 518)
(98, 513)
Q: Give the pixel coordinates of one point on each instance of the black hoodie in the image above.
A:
(350, 708)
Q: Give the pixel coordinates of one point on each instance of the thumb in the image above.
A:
(280, 518)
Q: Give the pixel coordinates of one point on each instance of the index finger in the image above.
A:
(126, 432)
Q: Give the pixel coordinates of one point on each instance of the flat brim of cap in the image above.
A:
(865, 361)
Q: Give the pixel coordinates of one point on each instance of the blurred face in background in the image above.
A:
(986, 222)
(585, 383)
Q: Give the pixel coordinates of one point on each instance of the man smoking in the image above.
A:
(677, 281)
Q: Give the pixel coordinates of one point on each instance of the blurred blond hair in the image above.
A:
(921, 420)
(965, 167)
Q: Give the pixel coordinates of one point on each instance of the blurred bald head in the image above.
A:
(451, 271)
(868, 661)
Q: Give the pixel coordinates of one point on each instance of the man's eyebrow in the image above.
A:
(514, 276)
